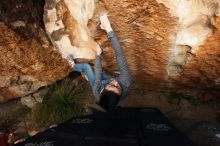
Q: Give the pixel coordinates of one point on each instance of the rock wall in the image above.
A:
(143, 28)
(66, 24)
(196, 24)
(170, 45)
(28, 60)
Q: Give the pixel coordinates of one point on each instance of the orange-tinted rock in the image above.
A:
(165, 49)
(148, 31)
(144, 29)
(203, 70)
(26, 66)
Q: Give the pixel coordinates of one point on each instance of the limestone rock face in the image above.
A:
(169, 44)
(66, 24)
(196, 24)
(26, 66)
(28, 60)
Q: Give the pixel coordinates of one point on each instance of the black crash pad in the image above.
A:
(119, 127)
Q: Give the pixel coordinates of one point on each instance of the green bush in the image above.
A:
(63, 101)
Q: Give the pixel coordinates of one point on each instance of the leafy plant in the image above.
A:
(63, 101)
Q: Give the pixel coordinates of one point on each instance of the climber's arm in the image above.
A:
(124, 77)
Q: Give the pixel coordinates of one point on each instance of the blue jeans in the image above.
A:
(87, 69)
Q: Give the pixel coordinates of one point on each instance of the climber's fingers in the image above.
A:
(105, 23)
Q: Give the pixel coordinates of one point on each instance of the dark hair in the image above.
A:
(109, 99)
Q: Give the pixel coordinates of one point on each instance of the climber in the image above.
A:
(108, 92)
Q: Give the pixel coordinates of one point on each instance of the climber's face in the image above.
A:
(114, 87)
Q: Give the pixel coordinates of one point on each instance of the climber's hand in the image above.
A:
(99, 51)
(105, 23)
(71, 63)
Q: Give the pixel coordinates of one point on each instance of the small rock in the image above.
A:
(45, 46)
(18, 23)
(29, 101)
(40, 94)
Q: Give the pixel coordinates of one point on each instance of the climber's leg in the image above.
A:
(87, 69)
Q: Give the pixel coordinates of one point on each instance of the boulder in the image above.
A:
(164, 47)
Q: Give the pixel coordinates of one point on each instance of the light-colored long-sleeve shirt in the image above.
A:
(124, 78)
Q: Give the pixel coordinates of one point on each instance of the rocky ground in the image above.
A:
(198, 119)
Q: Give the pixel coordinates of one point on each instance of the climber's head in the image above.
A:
(110, 95)
(114, 86)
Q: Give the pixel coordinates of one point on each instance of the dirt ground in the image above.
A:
(198, 120)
